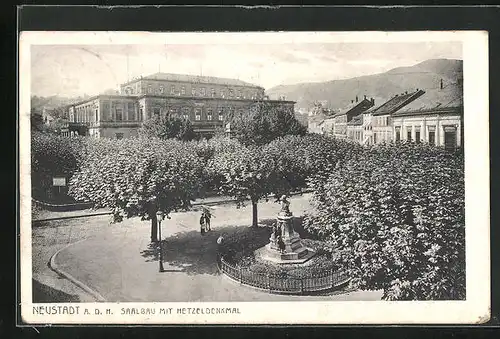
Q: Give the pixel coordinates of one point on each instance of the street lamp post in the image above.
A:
(159, 217)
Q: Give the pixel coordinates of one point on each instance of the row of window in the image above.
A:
(381, 121)
(431, 136)
(201, 91)
(185, 111)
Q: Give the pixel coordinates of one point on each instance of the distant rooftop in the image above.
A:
(395, 103)
(196, 79)
(365, 103)
(451, 96)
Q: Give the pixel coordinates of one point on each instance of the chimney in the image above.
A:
(406, 92)
(441, 84)
(352, 101)
(365, 97)
(356, 98)
(373, 101)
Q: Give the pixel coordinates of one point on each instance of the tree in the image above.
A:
(393, 216)
(254, 173)
(138, 177)
(243, 174)
(263, 122)
(53, 155)
(168, 127)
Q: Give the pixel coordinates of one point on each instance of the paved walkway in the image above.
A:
(118, 262)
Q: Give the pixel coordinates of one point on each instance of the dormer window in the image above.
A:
(172, 89)
(161, 89)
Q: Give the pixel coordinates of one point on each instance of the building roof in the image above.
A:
(195, 79)
(444, 104)
(436, 99)
(395, 103)
(356, 120)
(365, 102)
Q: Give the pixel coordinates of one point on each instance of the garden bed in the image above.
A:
(238, 251)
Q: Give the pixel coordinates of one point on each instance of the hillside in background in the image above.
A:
(339, 93)
(55, 101)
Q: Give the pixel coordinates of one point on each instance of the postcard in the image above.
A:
(254, 178)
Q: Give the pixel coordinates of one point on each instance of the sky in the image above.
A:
(75, 70)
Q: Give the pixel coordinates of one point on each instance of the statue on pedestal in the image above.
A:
(285, 245)
(285, 206)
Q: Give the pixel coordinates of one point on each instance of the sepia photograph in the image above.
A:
(332, 177)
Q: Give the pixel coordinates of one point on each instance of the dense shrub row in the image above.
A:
(394, 216)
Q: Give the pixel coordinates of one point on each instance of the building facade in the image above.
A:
(208, 102)
(344, 117)
(440, 125)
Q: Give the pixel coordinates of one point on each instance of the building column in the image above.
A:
(423, 131)
(441, 135)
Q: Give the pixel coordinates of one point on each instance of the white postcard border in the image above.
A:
(475, 309)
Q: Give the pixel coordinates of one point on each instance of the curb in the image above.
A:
(54, 267)
(34, 221)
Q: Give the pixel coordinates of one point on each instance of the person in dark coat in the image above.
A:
(208, 216)
(202, 224)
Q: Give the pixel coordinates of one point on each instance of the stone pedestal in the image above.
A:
(291, 251)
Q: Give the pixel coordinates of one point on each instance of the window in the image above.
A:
(197, 114)
(231, 93)
(140, 114)
(161, 89)
(432, 138)
(408, 135)
(119, 114)
(398, 136)
(156, 110)
(193, 91)
(450, 138)
(417, 137)
(185, 112)
(150, 89)
(238, 95)
(222, 94)
(213, 92)
(375, 137)
(202, 91)
(209, 114)
(183, 90)
(119, 135)
(96, 115)
(173, 111)
(130, 109)
(172, 89)
(221, 114)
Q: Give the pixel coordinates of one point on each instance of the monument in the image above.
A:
(285, 245)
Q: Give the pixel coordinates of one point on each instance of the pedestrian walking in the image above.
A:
(202, 224)
(208, 217)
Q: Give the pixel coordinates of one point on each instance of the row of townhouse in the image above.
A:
(434, 116)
